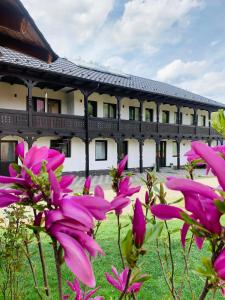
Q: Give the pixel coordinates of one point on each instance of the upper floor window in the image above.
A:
(100, 150)
(134, 113)
(203, 121)
(92, 109)
(192, 119)
(149, 115)
(62, 145)
(38, 104)
(109, 110)
(165, 116)
(54, 106)
(176, 118)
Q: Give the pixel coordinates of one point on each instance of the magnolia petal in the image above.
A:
(135, 287)
(215, 161)
(166, 212)
(6, 200)
(55, 187)
(16, 180)
(121, 165)
(76, 211)
(99, 192)
(20, 150)
(199, 242)
(113, 282)
(66, 181)
(55, 162)
(184, 232)
(76, 259)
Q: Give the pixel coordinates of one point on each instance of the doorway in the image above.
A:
(7, 155)
(162, 153)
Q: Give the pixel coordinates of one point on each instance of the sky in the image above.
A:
(181, 42)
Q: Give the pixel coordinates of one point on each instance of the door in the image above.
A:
(123, 151)
(7, 155)
(163, 154)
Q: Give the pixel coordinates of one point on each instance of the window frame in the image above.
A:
(174, 153)
(34, 104)
(95, 103)
(192, 120)
(56, 101)
(151, 114)
(134, 109)
(106, 150)
(167, 112)
(68, 150)
(108, 110)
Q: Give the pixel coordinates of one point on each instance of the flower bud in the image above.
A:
(139, 225)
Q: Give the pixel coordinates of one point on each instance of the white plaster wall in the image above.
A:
(149, 153)
(187, 112)
(171, 108)
(77, 160)
(185, 146)
(149, 105)
(111, 155)
(125, 103)
(213, 143)
(13, 96)
(203, 113)
(133, 153)
(78, 103)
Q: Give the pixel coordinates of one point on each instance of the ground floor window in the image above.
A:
(100, 150)
(62, 145)
(174, 149)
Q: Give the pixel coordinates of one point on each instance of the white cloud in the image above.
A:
(68, 23)
(195, 76)
(147, 23)
(177, 70)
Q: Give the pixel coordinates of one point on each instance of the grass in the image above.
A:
(155, 288)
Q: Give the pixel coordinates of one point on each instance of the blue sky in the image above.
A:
(181, 42)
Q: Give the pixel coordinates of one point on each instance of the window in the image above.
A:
(109, 110)
(54, 106)
(62, 145)
(176, 118)
(203, 121)
(149, 115)
(39, 104)
(92, 109)
(100, 150)
(133, 113)
(192, 119)
(165, 116)
(174, 149)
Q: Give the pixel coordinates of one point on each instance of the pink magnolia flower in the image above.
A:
(121, 166)
(119, 281)
(139, 225)
(70, 224)
(81, 295)
(147, 200)
(219, 267)
(199, 205)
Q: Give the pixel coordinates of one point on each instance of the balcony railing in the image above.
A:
(13, 119)
(17, 119)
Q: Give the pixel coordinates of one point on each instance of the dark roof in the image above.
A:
(65, 67)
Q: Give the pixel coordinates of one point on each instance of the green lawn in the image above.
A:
(155, 288)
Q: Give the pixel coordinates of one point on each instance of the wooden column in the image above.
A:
(86, 94)
(178, 154)
(178, 118)
(157, 155)
(118, 143)
(30, 84)
(118, 108)
(141, 143)
(141, 114)
(209, 123)
(157, 115)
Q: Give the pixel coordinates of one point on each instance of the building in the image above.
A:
(93, 116)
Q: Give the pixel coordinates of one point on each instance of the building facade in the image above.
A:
(94, 116)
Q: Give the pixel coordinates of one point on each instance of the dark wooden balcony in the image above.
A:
(15, 120)
(10, 119)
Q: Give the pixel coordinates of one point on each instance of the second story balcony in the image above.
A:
(50, 123)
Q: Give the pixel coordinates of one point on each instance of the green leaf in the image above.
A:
(127, 243)
(220, 206)
(177, 201)
(187, 219)
(154, 231)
